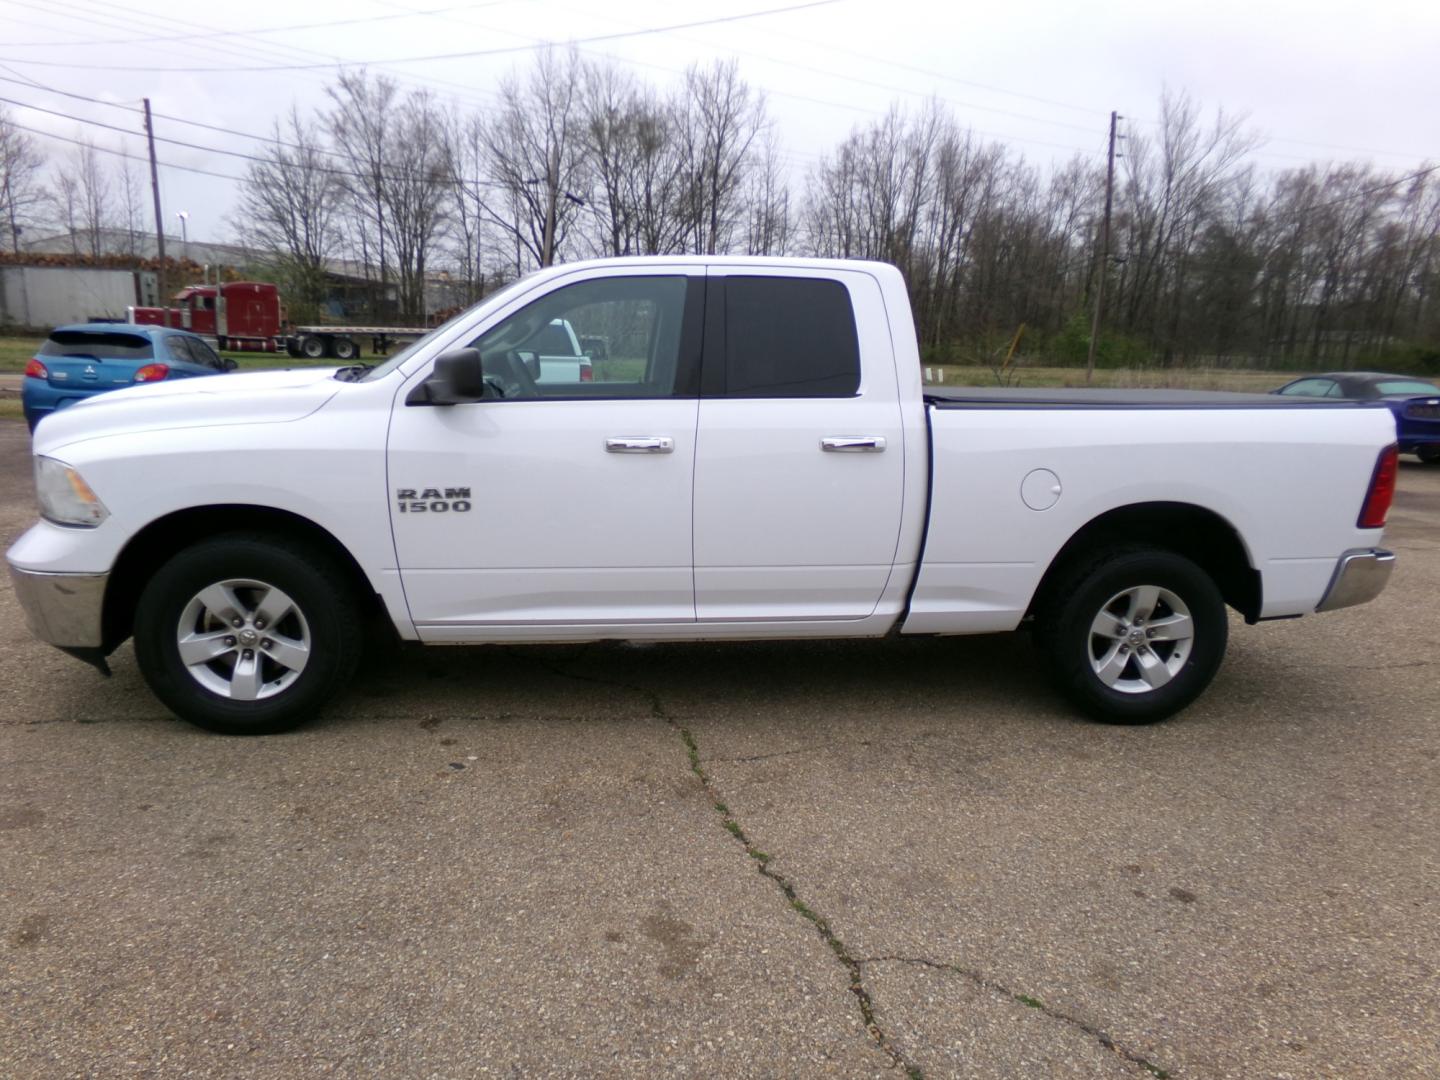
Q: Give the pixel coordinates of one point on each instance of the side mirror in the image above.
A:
(457, 378)
(227, 364)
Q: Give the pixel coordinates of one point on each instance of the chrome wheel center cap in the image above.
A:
(1137, 637)
(248, 636)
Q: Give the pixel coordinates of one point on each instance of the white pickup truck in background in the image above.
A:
(759, 461)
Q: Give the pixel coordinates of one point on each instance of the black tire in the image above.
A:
(343, 348)
(312, 347)
(1430, 455)
(324, 609)
(1112, 580)
(292, 348)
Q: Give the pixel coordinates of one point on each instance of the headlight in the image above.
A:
(64, 496)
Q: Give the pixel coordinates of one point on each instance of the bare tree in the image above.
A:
(467, 195)
(536, 155)
(767, 202)
(131, 206)
(94, 196)
(719, 119)
(414, 191)
(63, 199)
(289, 206)
(21, 194)
(359, 124)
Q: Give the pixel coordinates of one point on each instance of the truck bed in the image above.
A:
(1012, 397)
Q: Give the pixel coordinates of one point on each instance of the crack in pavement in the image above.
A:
(981, 981)
(762, 860)
(766, 757)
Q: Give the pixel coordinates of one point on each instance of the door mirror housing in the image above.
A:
(228, 364)
(458, 377)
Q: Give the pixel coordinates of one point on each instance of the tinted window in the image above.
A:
(174, 348)
(101, 344)
(201, 353)
(638, 320)
(1407, 386)
(789, 337)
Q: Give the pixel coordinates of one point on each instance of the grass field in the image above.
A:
(1249, 381)
(15, 351)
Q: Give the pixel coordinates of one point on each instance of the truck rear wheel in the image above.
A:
(312, 347)
(344, 348)
(1133, 635)
(247, 634)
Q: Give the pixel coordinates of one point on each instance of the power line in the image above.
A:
(408, 14)
(878, 85)
(250, 52)
(465, 55)
(450, 181)
(1372, 190)
(121, 153)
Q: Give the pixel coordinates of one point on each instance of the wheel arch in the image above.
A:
(1199, 534)
(149, 548)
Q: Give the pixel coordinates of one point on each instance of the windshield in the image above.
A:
(1406, 386)
(381, 370)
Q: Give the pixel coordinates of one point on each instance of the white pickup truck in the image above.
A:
(761, 461)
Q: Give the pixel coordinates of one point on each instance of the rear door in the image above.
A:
(799, 472)
(89, 360)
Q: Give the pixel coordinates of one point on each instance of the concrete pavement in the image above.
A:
(788, 859)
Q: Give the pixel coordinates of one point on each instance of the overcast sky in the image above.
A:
(1322, 80)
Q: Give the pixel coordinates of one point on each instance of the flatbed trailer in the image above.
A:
(343, 342)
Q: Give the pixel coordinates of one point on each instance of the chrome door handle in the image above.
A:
(853, 444)
(640, 444)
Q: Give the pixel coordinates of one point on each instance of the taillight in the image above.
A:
(152, 373)
(587, 373)
(36, 370)
(1382, 490)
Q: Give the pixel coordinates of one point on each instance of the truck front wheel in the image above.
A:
(1133, 635)
(247, 634)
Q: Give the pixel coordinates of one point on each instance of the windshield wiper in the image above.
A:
(353, 373)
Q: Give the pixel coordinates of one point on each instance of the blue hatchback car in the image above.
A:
(86, 359)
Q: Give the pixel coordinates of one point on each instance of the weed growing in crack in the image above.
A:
(1026, 999)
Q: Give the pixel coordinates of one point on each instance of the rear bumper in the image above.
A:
(62, 609)
(1360, 576)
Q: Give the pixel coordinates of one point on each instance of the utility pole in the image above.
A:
(552, 199)
(1104, 253)
(155, 189)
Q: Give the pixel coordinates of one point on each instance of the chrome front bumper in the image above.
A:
(1359, 577)
(63, 609)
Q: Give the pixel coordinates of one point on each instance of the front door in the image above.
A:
(555, 503)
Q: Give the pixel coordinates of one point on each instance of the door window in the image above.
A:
(623, 337)
(1313, 388)
(789, 337)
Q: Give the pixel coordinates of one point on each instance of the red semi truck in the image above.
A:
(248, 316)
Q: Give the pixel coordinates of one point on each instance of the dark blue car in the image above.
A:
(80, 361)
(1415, 403)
